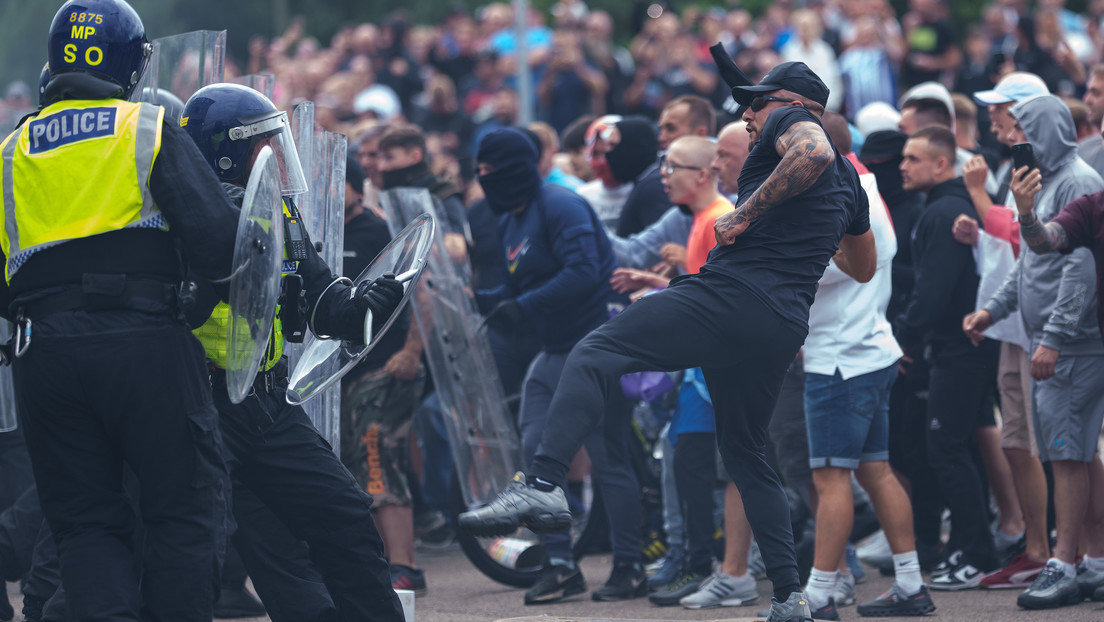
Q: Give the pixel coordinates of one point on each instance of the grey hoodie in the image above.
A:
(1055, 293)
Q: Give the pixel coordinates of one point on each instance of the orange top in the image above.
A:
(702, 238)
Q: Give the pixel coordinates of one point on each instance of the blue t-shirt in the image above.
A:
(783, 253)
(558, 265)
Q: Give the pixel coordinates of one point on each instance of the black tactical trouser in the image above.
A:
(99, 390)
(275, 452)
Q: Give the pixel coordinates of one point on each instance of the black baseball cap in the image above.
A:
(793, 76)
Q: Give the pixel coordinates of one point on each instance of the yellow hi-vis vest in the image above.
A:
(80, 168)
(214, 334)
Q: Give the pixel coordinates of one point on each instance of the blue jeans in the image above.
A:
(848, 420)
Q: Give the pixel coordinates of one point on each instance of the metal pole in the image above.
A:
(524, 76)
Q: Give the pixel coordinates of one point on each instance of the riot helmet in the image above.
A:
(103, 38)
(230, 122)
(43, 80)
(165, 98)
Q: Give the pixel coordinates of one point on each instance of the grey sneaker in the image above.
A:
(895, 602)
(519, 504)
(845, 590)
(1089, 581)
(1052, 588)
(723, 590)
(795, 609)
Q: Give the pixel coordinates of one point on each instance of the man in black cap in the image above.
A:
(742, 319)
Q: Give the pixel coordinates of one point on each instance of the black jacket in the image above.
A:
(946, 279)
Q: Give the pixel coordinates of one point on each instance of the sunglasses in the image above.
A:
(761, 101)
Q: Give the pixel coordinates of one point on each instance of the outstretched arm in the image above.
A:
(806, 153)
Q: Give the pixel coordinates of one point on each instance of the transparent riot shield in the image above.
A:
(324, 360)
(264, 83)
(322, 156)
(184, 63)
(255, 280)
(484, 441)
(8, 420)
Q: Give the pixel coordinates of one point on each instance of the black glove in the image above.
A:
(382, 296)
(506, 316)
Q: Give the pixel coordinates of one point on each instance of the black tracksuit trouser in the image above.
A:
(743, 348)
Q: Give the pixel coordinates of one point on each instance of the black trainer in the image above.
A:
(626, 581)
(686, 583)
(827, 612)
(895, 603)
(555, 583)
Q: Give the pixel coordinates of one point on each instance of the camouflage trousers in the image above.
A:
(376, 414)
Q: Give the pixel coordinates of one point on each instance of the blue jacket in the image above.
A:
(558, 265)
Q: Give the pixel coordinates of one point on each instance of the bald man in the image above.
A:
(733, 144)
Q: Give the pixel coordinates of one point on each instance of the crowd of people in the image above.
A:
(871, 277)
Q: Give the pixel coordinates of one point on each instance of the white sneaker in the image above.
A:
(845, 590)
(961, 577)
(722, 590)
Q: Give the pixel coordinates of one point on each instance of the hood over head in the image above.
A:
(1048, 124)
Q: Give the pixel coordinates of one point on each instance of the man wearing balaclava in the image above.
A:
(558, 263)
(881, 153)
(633, 159)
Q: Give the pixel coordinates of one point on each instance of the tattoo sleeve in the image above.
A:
(1043, 238)
(806, 153)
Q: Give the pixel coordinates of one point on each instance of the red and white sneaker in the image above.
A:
(1019, 573)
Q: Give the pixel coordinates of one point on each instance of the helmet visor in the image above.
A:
(274, 131)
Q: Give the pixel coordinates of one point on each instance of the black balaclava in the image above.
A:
(636, 151)
(515, 180)
(405, 176)
(881, 153)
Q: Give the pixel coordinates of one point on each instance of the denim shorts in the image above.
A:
(848, 420)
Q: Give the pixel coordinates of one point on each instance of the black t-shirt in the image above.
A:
(783, 253)
(365, 236)
(930, 38)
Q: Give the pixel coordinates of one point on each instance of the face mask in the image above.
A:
(509, 190)
(395, 178)
(602, 171)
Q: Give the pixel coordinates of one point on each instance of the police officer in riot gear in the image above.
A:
(104, 203)
(273, 450)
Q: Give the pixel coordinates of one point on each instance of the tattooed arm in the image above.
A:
(806, 153)
(1041, 237)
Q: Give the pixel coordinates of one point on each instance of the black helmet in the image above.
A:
(104, 38)
(43, 80)
(174, 108)
(229, 121)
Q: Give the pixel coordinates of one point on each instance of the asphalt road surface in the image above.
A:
(460, 593)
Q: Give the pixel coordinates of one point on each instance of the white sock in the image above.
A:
(820, 587)
(1096, 564)
(907, 568)
(1069, 569)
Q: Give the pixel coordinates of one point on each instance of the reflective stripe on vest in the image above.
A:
(78, 169)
